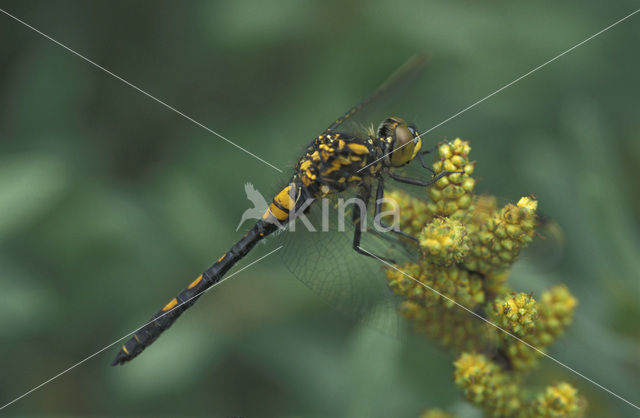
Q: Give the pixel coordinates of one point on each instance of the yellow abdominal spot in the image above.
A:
(277, 212)
(195, 282)
(170, 305)
(283, 198)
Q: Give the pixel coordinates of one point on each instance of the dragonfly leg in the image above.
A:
(419, 182)
(425, 165)
(357, 229)
(428, 151)
(378, 208)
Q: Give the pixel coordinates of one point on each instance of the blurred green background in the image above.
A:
(111, 203)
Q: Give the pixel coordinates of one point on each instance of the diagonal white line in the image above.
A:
(501, 329)
(132, 332)
(513, 82)
(138, 89)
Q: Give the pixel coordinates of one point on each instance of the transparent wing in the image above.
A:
(546, 251)
(374, 108)
(357, 285)
(350, 282)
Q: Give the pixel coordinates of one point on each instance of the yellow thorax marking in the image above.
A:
(358, 148)
(305, 165)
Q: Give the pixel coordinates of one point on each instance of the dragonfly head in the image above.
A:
(402, 141)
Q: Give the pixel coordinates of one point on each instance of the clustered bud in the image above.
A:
(485, 384)
(468, 244)
(444, 241)
(516, 313)
(451, 195)
(499, 234)
(558, 400)
(551, 315)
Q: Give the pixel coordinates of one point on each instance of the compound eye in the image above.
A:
(404, 135)
(414, 132)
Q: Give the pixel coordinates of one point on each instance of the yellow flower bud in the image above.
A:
(468, 245)
(559, 400)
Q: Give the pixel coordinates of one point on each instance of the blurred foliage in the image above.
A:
(109, 202)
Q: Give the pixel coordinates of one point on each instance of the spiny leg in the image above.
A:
(423, 163)
(419, 182)
(428, 151)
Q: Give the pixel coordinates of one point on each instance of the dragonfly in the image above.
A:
(341, 160)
